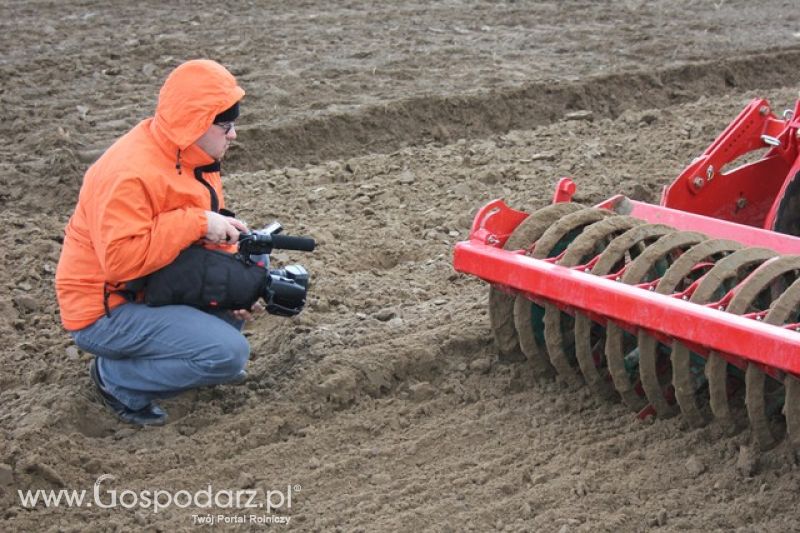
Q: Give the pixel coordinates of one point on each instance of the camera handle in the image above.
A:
(265, 242)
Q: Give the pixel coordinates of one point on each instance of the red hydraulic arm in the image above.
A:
(746, 194)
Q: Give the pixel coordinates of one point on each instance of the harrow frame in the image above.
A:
(704, 327)
(691, 304)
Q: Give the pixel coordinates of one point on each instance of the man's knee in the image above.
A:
(228, 357)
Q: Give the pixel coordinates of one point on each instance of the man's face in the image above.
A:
(216, 140)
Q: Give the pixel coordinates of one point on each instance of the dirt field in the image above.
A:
(379, 130)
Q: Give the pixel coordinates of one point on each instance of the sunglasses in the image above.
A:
(226, 126)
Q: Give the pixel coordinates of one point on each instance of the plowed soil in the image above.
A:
(379, 130)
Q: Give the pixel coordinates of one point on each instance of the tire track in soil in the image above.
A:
(391, 126)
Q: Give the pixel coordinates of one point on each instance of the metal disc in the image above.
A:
(558, 325)
(655, 368)
(755, 293)
(762, 289)
(689, 368)
(621, 347)
(786, 310)
(590, 337)
(501, 305)
(529, 315)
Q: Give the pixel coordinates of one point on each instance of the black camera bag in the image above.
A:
(206, 279)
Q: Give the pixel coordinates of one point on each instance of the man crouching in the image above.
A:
(153, 193)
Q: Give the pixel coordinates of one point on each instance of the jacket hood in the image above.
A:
(192, 95)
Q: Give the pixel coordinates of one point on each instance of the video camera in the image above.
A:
(286, 289)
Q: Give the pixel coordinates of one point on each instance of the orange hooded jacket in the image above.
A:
(143, 201)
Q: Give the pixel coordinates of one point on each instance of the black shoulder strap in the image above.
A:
(198, 174)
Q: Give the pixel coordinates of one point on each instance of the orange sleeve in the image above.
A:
(131, 240)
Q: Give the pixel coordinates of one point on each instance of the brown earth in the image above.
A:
(379, 130)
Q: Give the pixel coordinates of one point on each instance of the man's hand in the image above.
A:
(248, 315)
(222, 229)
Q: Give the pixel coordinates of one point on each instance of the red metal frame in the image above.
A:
(696, 325)
(713, 227)
(707, 197)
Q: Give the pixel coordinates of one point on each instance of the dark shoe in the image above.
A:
(152, 415)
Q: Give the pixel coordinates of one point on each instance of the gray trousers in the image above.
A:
(145, 353)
